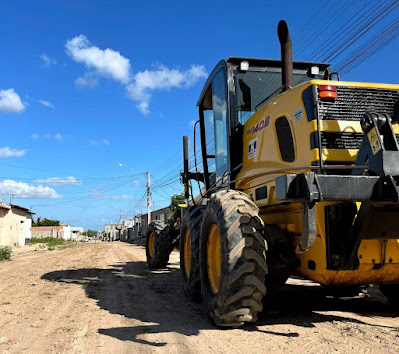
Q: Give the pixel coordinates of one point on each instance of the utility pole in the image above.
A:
(11, 196)
(148, 191)
(121, 218)
(185, 174)
(149, 197)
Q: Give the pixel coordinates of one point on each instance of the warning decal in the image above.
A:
(252, 148)
(298, 114)
(374, 141)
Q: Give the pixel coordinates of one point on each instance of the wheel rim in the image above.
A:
(151, 244)
(187, 253)
(214, 258)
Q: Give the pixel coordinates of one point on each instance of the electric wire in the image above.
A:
(313, 26)
(363, 30)
(375, 44)
(339, 34)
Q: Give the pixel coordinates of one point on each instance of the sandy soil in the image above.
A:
(101, 298)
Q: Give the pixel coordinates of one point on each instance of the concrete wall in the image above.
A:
(63, 231)
(45, 231)
(159, 214)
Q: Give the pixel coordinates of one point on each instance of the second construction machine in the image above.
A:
(300, 176)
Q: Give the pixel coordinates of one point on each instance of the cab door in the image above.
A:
(214, 114)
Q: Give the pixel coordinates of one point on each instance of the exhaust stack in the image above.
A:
(286, 55)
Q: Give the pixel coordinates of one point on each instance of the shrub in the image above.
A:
(52, 241)
(5, 253)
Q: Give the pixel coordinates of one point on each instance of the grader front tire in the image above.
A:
(232, 259)
(158, 245)
(189, 251)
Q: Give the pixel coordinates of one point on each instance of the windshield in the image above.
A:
(253, 87)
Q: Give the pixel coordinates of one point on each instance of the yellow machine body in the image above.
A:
(263, 163)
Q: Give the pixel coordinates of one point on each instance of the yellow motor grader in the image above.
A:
(300, 175)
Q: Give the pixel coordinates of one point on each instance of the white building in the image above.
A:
(76, 233)
(15, 225)
(112, 231)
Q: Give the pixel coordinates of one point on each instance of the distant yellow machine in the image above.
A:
(301, 176)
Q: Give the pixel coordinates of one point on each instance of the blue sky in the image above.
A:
(90, 84)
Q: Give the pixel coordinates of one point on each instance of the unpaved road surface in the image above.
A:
(101, 298)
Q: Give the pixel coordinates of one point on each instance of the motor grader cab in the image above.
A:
(300, 176)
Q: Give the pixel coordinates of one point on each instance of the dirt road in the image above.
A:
(101, 298)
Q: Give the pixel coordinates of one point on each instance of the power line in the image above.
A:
(364, 29)
(336, 36)
(378, 42)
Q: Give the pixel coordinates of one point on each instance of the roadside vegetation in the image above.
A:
(5, 253)
(174, 212)
(51, 241)
(45, 222)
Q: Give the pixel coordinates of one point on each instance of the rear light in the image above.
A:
(327, 92)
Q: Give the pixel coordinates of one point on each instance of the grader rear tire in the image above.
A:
(189, 251)
(232, 259)
(158, 245)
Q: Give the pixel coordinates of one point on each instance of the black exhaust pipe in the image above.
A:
(286, 55)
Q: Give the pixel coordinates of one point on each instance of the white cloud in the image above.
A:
(46, 103)
(57, 136)
(121, 197)
(162, 78)
(99, 142)
(192, 123)
(10, 102)
(117, 197)
(107, 62)
(96, 189)
(25, 191)
(54, 181)
(88, 80)
(111, 64)
(135, 183)
(47, 61)
(8, 152)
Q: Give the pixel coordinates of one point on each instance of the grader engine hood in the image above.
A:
(298, 130)
(270, 138)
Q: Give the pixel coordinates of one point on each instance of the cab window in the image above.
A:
(219, 105)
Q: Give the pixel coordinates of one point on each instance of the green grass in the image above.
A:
(52, 241)
(5, 253)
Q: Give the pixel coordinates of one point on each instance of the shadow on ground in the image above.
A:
(156, 298)
(304, 305)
